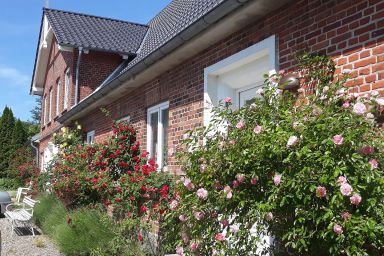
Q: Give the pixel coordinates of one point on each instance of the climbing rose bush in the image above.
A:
(297, 174)
(114, 173)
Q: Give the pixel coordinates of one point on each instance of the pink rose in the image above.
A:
(228, 100)
(293, 140)
(173, 205)
(277, 179)
(346, 215)
(355, 199)
(269, 216)
(366, 150)
(338, 229)
(240, 125)
(232, 142)
(359, 108)
(346, 104)
(321, 191)
(182, 218)
(338, 139)
(219, 237)
(199, 215)
(202, 193)
(374, 164)
(225, 223)
(188, 184)
(341, 180)
(235, 184)
(180, 251)
(227, 191)
(346, 189)
(253, 181)
(257, 129)
(234, 228)
(194, 247)
(240, 177)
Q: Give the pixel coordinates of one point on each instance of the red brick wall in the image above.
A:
(351, 31)
(95, 67)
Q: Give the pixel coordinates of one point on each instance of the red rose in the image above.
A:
(140, 237)
(143, 208)
(118, 200)
(123, 137)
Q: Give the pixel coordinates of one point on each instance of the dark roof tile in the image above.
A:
(93, 32)
(172, 20)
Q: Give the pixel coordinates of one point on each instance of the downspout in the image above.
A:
(77, 76)
(37, 153)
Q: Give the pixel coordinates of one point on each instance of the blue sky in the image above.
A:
(19, 29)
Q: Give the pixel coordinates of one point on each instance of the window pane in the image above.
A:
(154, 129)
(164, 121)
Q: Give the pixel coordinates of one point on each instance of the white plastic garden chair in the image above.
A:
(22, 215)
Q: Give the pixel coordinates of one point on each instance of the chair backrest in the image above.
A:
(29, 203)
(20, 192)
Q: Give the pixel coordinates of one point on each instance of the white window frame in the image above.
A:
(90, 137)
(266, 47)
(158, 108)
(126, 118)
(67, 79)
(58, 89)
(50, 106)
(45, 110)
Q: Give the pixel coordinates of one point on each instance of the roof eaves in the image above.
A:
(37, 53)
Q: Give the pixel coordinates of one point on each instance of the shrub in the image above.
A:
(49, 213)
(10, 183)
(306, 169)
(84, 231)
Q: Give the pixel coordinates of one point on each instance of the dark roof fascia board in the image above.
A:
(130, 54)
(195, 28)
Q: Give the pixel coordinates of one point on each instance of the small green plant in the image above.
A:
(39, 242)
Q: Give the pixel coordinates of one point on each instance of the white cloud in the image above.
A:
(13, 76)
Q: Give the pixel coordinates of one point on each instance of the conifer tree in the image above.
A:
(7, 124)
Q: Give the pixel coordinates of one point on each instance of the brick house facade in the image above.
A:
(351, 31)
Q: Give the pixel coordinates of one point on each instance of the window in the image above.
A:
(45, 111)
(157, 133)
(90, 137)
(126, 119)
(50, 106)
(58, 89)
(239, 76)
(48, 154)
(66, 88)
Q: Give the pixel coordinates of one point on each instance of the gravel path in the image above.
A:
(25, 244)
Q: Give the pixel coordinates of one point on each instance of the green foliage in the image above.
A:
(49, 213)
(7, 123)
(10, 184)
(85, 229)
(36, 113)
(275, 168)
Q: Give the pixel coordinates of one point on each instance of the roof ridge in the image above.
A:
(95, 16)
